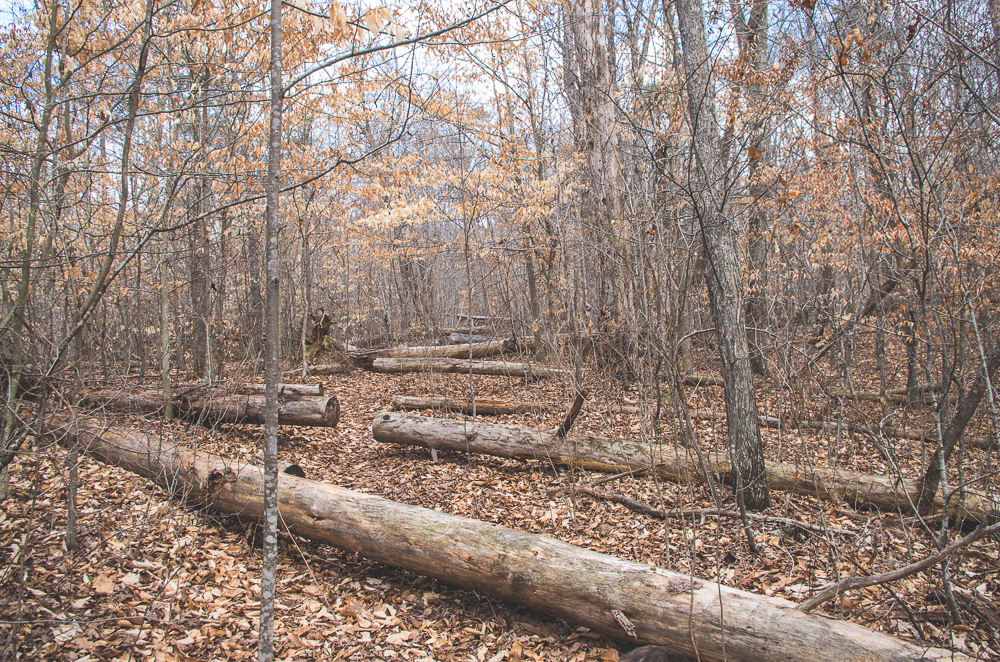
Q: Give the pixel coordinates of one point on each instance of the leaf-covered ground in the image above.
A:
(153, 581)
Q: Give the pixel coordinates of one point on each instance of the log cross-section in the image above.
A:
(581, 586)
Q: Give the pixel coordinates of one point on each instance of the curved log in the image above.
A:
(620, 598)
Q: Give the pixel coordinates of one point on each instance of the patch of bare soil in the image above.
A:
(153, 581)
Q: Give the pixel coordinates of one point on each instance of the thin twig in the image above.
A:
(645, 509)
(849, 583)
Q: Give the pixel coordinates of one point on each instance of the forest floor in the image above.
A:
(154, 581)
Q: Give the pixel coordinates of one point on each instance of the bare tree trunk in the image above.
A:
(269, 566)
(168, 407)
(722, 266)
(217, 342)
(963, 414)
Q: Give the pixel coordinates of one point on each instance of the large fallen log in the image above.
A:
(144, 401)
(312, 410)
(291, 390)
(474, 350)
(618, 455)
(852, 428)
(461, 366)
(620, 598)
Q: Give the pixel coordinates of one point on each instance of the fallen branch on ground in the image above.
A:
(850, 583)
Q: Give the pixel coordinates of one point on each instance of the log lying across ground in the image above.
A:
(604, 593)
(618, 455)
(312, 410)
(853, 428)
(474, 350)
(462, 366)
(291, 390)
(478, 406)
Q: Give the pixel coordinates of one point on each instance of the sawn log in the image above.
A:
(618, 455)
(462, 366)
(313, 410)
(601, 592)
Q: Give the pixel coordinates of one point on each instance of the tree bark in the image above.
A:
(272, 345)
(722, 266)
(311, 410)
(601, 592)
(620, 455)
(460, 366)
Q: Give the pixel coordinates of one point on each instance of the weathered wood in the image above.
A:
(145, 401)
(460, 366)
(618, 455)
(465, 338)
(364, 359)
(619, 598)
(313, 410)
(290, 390)
(481, 406)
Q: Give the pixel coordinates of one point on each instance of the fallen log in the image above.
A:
(144, 402)
(853, 428)
(291, 390)
(459, 366)
(465, 338)
(484, 407)
(619, 598)
(364, 359)
(312, 410)
(618, 455)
